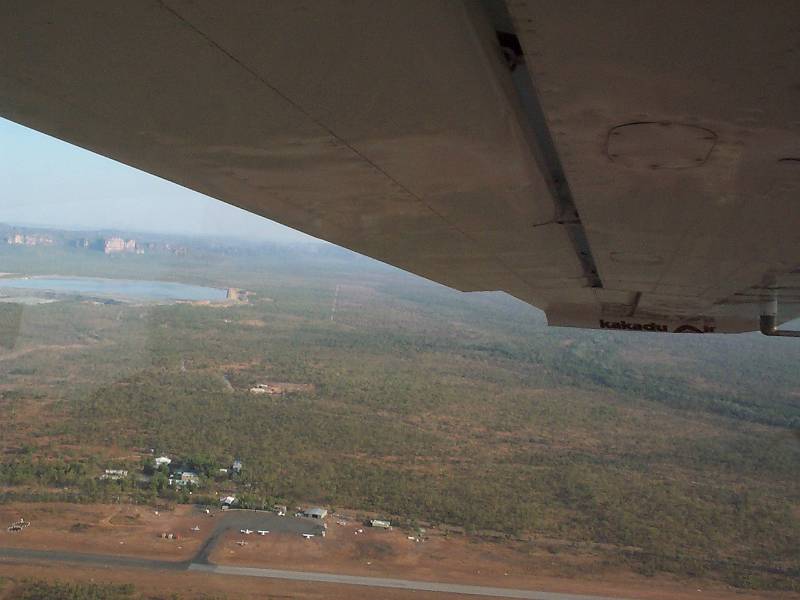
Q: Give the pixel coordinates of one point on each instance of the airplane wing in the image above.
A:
(623, 165)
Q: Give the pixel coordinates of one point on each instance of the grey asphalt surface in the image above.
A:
(241, 519)
(235, 520)
(402, 584)
(94, 560)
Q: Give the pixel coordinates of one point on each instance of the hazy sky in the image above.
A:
(47, 182)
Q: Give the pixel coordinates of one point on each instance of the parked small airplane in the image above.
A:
(263, 531)
(242, 543)
(246, 531)
(308, 536)
(196, 528)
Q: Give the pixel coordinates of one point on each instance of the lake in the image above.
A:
(120, 289)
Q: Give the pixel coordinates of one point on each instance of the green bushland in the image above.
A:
(428, 406)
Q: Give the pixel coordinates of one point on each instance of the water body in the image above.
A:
(118, 289)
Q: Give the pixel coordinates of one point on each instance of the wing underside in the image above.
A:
(620, 165)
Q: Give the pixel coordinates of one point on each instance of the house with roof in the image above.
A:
(380, 523)
(190, 477)
(184, 477)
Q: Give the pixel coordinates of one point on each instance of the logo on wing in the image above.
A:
(653, 326)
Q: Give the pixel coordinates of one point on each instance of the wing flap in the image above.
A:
(677, 129)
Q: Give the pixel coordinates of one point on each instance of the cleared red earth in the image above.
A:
(124, 530)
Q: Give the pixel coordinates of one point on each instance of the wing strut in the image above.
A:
(769, 316)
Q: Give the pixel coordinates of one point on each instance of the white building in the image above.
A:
(315, 513)
(162, 460)
(183, 478)
(380, 523)
(190, 477)
(114, 474)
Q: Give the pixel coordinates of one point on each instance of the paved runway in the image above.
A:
(240, 519)
(110, 561)
(95, 560)
(402, 584)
